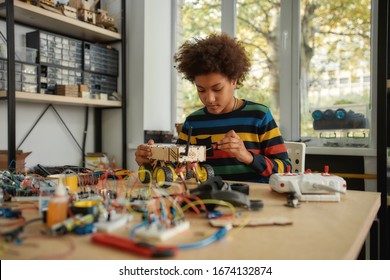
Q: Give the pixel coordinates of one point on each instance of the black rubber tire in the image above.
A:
(145, 173)
(164, 175)
(207, 171)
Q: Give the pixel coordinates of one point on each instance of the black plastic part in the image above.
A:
(240, 187)
(234, 193)
(256, 205)
(233, 197)
(163, 253)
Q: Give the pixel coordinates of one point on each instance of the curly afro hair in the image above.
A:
(217, 53)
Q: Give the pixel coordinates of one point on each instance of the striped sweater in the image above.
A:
(255, 125)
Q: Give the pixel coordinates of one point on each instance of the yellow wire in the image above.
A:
(241, 226)
(3, 248)
(212, 201)
(223, 203)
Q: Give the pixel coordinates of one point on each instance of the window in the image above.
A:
(259, 34)
(196, 18)
(258, 25)
(335, 47)
(305, 54)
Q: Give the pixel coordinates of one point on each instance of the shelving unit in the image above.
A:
(43, 19)
(15, 11)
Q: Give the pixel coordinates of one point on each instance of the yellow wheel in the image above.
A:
(174, 175)
(145, 172)
(164, 175)
(204, 172)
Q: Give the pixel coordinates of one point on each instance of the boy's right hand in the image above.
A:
(143, 153)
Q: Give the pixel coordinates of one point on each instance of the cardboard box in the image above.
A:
(67, 90)
(20, 160)
(83, 88)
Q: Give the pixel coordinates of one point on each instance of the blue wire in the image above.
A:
(216, 236)
(221, 233)
(140, 225)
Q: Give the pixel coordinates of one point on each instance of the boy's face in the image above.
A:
(216, 92)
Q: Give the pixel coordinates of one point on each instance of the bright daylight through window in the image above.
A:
(334, 63)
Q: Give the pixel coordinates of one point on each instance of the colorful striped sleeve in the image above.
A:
(257, 128)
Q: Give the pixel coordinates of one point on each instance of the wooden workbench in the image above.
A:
(319, 230)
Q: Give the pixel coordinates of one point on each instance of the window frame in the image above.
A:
(290, 72)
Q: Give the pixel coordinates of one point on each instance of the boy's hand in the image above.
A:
(233, 144)
(143, 153)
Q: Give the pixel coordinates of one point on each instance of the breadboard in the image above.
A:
(25, 198)
(156, 231)
(115, 222)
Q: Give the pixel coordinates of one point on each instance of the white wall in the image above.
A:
(157, 70)
(49, 142)
(149, 70)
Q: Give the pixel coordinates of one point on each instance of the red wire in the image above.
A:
(21, 220)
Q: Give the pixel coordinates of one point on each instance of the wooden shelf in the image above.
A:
(34, 17)
(62, 100)
(47, 20)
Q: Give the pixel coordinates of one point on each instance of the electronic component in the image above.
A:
(10, 213)
(157, 231)
(50, 170)
(84, 229)
(309, 186)
(116, 221)
(63, 227)
(292, 200)
(139, 204)
(170, 160)
(76, 223)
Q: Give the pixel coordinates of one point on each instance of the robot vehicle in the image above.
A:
(171, 161)
(309, 186)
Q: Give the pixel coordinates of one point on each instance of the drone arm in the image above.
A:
(328, 188)
(295, 188)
